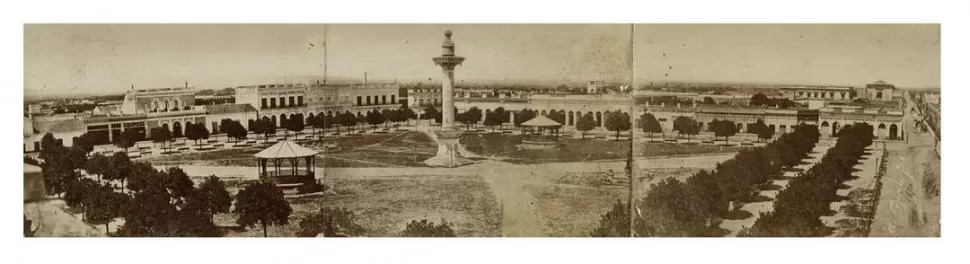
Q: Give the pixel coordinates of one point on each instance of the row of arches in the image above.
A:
(571, 117)
(881, 130)
(167, 104)
(177, 128)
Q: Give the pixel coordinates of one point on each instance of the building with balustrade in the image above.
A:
(280, 102)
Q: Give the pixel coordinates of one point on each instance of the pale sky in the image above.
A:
(904, 55)
(103, 58)
(99, 58)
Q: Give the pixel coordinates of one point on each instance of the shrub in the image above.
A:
(313, 187)
(331, 222)
(425, 228)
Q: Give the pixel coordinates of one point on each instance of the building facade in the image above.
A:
(887, 124)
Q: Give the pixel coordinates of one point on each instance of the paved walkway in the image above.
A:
(734, 226)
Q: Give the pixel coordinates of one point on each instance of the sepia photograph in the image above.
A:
(481, 130)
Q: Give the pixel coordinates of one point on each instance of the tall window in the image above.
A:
(263, 105)
(392, 99)
(299, 100)
(292, 101)
(272, 102)
(368, 100)
(358, 100)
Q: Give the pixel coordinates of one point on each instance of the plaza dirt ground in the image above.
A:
(499, 196)
(384, 205)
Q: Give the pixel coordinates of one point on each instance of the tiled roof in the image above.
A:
(59, 126)
(541, 121)
(285, 149)
(229, 108)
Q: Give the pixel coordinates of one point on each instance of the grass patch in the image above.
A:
(738, 214)
(652, 149)
(573, 211)
(408, 149)
(565, 150)
(383, 206)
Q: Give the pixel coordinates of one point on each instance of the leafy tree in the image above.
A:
(686, 126)
(331, 222)
(723, 128)
(471, 117)
(524, 115)
(708, 100)
(649, 124)
(178, 184)
(585, 124)
(614, 223)
(670, 212)
(431, 113)
(313, 122)
(233, 129)
(389, 116)
(764, 132)
(296, 124)
(263, 204)
(266, 127)
(78, 193)
(349, 120)
(618, 121)
(211, 197)
(407, 114)
(103, 205)
(128, 139)
(121, 168)
(759, 99)
(492, 119)
(50, 147)
(161, 135)
(86, 142)
(425, 228)
(374, 118)
(196, 132)
(99, 165)
(362, 120)
(502, 115)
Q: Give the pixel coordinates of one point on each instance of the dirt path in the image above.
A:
(904, 208)
(51, 220)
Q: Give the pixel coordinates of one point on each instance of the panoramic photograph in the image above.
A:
(481, 130)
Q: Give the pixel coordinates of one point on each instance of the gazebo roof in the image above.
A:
(541, 121)
(285, 149)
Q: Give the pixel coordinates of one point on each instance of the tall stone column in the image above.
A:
(450, 152)
(447, 96)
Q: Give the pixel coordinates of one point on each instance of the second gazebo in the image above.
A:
(281, 164)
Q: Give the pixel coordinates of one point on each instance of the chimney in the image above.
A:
(365, 78)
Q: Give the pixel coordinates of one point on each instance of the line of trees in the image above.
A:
(687, 126)
(761, 99)
(798, 208)
(695, 207)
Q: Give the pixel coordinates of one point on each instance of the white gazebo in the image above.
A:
(542, 122)
(289, 154)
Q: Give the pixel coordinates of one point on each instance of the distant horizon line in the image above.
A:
(476, 81)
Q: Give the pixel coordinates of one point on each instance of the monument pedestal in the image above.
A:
(450, 152)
